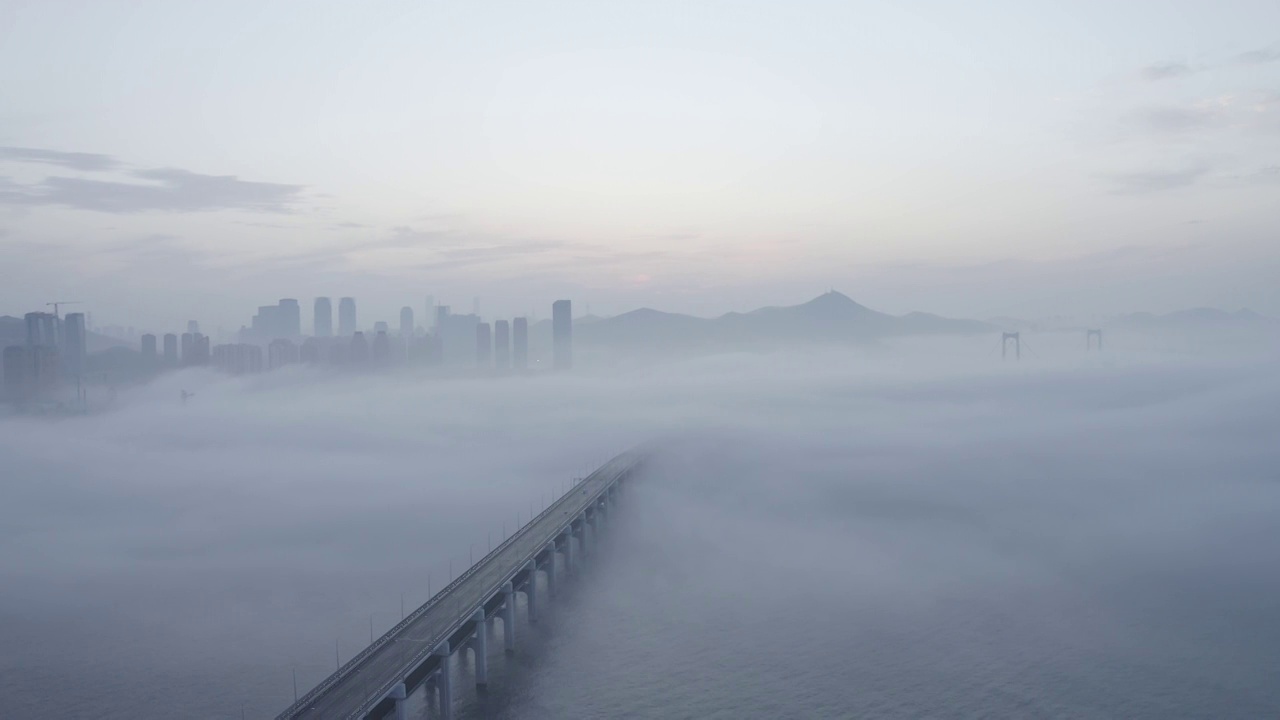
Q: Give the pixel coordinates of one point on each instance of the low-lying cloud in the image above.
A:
(209, 549)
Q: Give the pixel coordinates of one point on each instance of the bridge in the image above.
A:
(417, 653)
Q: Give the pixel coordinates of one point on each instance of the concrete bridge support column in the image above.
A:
(480, 649)
(509, 618)
(551, 569)
(444, 683)
(568, 552)
(531, 592)
(400, 696)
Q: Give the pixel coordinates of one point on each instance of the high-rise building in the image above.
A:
(562, 334)
(323, 318)
(237, 358)
(484, 346)
(406, 322)
(202, 349)
(431, 311)
(73, 352)
(380, 326)
(520, 343)
(149, 350)
(502, 345)
(193, 327)
(290, 317)
(17, 363)
(42, 372)
(457, 338)
(442, 312)
(266, 324)
(359, 349)
(170, 350)
(346, 317)
(188, 349)
(309, 353)
(381, 348)
(42, 329)
(281, 352)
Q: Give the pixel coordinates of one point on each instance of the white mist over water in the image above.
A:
(831, 533)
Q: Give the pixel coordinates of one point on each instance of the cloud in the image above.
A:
(1157, 180)
(1165, 71)
(1269, 175)
(1174, 119)
(75, 160)
(1259, 57)
(165, 190)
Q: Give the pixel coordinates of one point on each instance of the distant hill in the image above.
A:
(828, 318)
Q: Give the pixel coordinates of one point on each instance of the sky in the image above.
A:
(165, 161)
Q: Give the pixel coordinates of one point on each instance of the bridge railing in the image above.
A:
(352, 665)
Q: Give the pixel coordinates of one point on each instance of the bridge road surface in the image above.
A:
(356, 688)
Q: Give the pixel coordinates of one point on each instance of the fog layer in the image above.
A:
(826, 533)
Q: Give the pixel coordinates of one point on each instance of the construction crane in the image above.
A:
(56, 303)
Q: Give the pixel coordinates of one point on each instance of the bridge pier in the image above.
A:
(480, 649)
(551, 569)
(509, 618)
(399, 694)
(531, 592)
(568, 552)
(444, 684)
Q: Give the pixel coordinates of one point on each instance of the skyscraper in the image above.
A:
(381, 348)
(170, 350)
(484, 340)
(149, 350)
(520, 343)
(201, 343)
(188, 349)
(431, 311)
(42, 329)
(562, 334)
(502, 345)
(290, 317)
(281, 352)
(346, 317)
(359, 349)
(310, 351)
(193, 327)
(73, 345)
(43, 370)
(266, 324)
(17, 362)
(323, 318)
(406, 322)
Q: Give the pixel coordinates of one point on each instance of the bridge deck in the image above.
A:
(357, 686)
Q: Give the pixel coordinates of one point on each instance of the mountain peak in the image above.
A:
(831, 297)
(832, 302)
